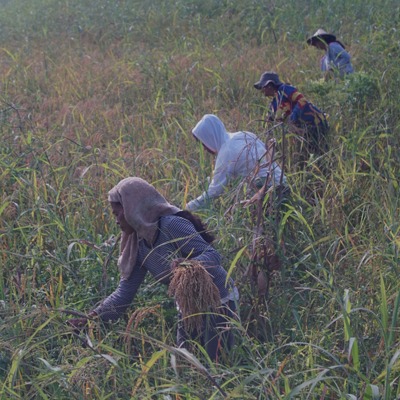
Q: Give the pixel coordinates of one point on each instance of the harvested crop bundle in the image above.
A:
(195, 293)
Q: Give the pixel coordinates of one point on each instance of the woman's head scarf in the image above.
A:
(143, 206)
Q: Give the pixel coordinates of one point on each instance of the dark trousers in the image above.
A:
(316, 140)
(216, 336)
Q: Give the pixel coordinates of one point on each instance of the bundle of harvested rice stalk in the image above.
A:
(195, 293)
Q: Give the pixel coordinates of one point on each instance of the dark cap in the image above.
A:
(267, 77)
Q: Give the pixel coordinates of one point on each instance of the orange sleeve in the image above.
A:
(298, 99)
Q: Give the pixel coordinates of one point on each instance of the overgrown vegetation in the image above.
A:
(91, 94)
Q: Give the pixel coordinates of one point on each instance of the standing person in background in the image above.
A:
(290, 106)
(156, 238)
(337, 60)
(239, 154)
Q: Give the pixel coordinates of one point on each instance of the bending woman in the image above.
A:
(337, 60)
(155, 235)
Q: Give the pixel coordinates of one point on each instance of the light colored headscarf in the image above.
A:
(143, 206)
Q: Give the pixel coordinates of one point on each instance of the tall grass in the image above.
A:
(90, 95)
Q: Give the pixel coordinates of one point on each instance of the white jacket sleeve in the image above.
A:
(220, 179)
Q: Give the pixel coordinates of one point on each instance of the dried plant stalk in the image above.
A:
(195, 293)
(136, 318)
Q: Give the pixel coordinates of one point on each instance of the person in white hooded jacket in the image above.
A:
(239, 154)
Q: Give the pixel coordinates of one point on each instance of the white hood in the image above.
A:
(239, 154)
(211, 131)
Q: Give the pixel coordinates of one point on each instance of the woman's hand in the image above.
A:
(78, 323)
(295, 129)
(175, 263)
(81, 323)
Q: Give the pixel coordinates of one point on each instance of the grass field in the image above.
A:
(92, 92)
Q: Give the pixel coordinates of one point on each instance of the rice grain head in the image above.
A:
(195, 293)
